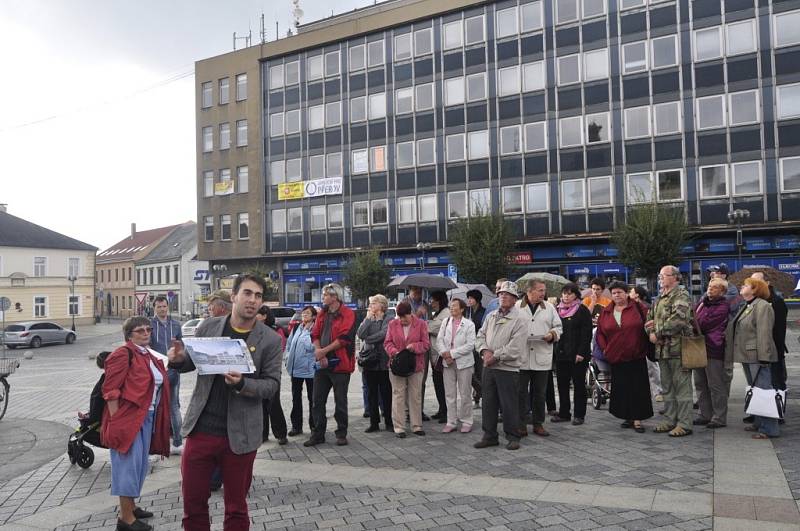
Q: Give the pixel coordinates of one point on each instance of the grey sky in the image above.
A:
(97, 129)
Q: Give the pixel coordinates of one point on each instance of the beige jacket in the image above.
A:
(505, 335)
(752, 341)
(538, 352)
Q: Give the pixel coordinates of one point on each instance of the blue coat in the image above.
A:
(300, 353)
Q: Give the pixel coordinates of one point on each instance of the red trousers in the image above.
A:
(203, 453)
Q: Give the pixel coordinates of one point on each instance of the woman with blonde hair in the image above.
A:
(375, 363)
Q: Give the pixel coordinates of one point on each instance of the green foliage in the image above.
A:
(480, 247)
(271, 294)
(366, 275)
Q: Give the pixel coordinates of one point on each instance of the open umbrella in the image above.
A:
(553, 282)
(423, 280)
(461, 292)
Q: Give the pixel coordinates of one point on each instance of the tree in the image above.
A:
(366, 275)
(651, 237)
(271, 293)
(480, 247)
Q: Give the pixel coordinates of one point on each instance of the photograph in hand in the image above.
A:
(219, 355)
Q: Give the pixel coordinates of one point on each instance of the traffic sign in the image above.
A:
(170, 295)
(5, 304)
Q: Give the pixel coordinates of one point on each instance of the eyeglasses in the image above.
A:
(143, 330)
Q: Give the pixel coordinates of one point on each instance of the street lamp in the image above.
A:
(422, 247)
(72, 279)
(219, 269)
(738, 216)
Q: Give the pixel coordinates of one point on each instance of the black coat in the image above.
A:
(576, 340)
(476, 316)
(779, 329)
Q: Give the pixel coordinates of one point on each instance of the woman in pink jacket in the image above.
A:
(407, 332)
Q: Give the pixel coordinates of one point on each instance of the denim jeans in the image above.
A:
(174, 378)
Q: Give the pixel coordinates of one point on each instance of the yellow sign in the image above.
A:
(223, 188)
(226, 283)
(290, 191)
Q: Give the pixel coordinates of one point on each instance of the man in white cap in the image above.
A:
(501, 342)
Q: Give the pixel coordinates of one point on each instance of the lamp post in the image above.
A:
(72, 279)
(738, 216)
(219, 269)
(422, 247)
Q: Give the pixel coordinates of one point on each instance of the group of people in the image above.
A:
(504, 354)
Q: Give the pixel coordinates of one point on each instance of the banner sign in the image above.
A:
(522, 257)
(315, 188)
(223, 188)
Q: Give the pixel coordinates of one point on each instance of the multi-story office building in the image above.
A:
(381, 126)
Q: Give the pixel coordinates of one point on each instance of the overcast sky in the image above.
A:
(97, 128)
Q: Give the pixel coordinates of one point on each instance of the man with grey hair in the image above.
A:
(219, 303)
(333, 337)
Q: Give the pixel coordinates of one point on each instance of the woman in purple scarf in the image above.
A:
(572, 354)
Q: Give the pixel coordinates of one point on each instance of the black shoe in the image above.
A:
(639, 429)
(662, 411)
(625, 425)
(577, 421)
(437, 415)
(512, 445)
(442, 420)
(365, 415)
(556, 418)
(137, 525)
(714, 425)
(695, 406)
(748, 419)
(293, 432)
(372, 429)
(283, 440)
(400, 435)
(313, 441)
(700, 422)
(389, 427)
(421, 433)
(425, 417)
(341, 441)
(485, 443)
(141, 513)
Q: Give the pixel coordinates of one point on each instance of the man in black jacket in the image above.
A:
(476, 313)
(781, 311)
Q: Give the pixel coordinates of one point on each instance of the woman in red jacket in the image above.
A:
(136, 400)
(407, 332)
(620, 335)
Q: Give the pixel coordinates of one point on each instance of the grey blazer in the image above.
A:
(245, 412)
(752, 342)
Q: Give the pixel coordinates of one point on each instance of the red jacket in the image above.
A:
(418, 340)
(129, 380)
(343, 328)
(622, 343)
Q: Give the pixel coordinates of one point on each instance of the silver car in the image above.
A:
(189, 327)
(34, 334)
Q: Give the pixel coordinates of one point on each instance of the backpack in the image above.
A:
(403, 363)
(97, 404)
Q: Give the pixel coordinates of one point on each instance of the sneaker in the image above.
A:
(175, 450)
(448, 428)
(485, 443)
(512, 445)
(466, 428)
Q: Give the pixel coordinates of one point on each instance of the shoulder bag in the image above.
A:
(693, 350)
(770, 403)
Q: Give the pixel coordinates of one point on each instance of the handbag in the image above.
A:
(368, 358)
(770, 403)
(649, 348)
(403, 364)
(693, 350)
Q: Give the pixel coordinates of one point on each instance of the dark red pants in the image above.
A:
(203, 453)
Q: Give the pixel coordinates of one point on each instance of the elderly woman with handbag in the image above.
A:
(136, 419)
(713, 383)
(300, 366)
(455, 343)
(375, 363)
(749, 342)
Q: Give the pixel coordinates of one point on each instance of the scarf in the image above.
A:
(568, 310)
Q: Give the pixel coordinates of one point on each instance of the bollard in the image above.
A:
(28, 355)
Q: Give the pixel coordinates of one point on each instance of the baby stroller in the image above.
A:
(88, 431)
(598, 377)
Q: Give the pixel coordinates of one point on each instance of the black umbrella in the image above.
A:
(423, 280)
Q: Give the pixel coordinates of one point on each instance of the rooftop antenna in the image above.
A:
(246, 38)
(263, 30)
(297, 13)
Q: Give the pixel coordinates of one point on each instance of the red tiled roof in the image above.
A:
(128, 248)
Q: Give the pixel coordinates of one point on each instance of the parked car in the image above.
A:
(188, 328)
(34, 334)
(283, 316)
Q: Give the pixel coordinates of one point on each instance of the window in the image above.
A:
(536, 198)
(667, 117)
(634, 57)
(593, 8)
(360, 161)
(566, 11)
(713, 181)
(569, 69)
(572, 194)
(570, 133)
(453, 91)
(790, 174)
(242, 178)
(597, 129)
(640, 187)
(404, 156)
(316, 166)
(510, 140)
(746, 177)
(380, 211)
(333, 114)
(402, 47)
(404, 100)
(316, 117)
(456, 205)
(40, 307)
(360, 213)
(474, 30)
(427, 207)
(455, 147)
(740, 37)
(335, 216)
(599, 191)
(479, 204)
(637, 122)
(244, 226)
(358, 60)
(423, 99)
(225, 136)
(275, 125)
(332, 64)
(241, 133)
(788, 101)
(664, 51)
(533, 76)
(241, 87)
(294, 219)
(225, 176)
(707, 43)
(206, 95)
(406, 210)
(743, 107)
(536, 136)
(787, 28)
(627, 4)
(358, 109)
(318, 221)
(334, 163)
(208, 139)
(40, 266)
(377, 106)
(377, 158)
(476, 87)
(277, 172)
(292, 73)
(478, 144)
(225, 230)
(423, 42)
(276, 77)
(426, 151)
(508, 81)
(208, 225)
(175, 275)
(711, 112)
(512, 199)
(224, 90)
(293, 171)
(670, 186)
(506, 22)
(314, 67)
(531, 16)
(452, 35)
(74, 267)
(375, 53)
(293, 121)
(208, 183)
(595, 64)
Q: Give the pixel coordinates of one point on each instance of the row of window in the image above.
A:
(149, 276)
(223, 91)
(41, 309)
(243, 219)
(105, 275)
(224, 136)
(40, 267)
(242, 182)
